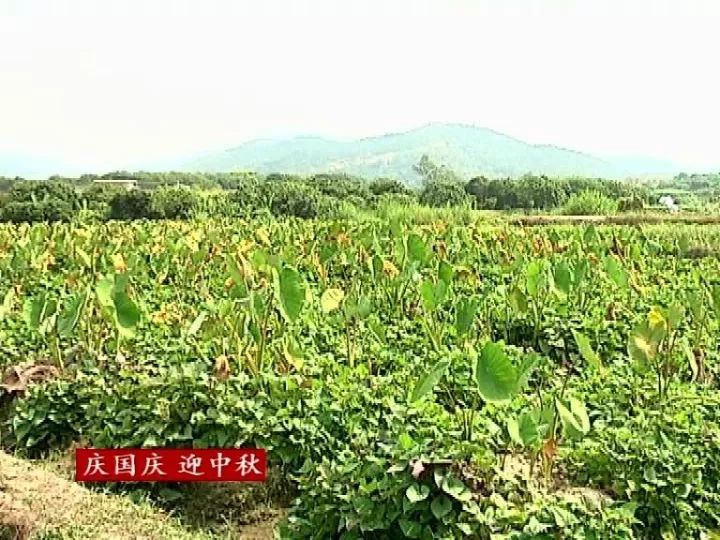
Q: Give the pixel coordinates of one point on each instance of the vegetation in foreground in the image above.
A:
(420, 381)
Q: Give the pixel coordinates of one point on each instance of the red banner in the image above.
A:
(170, 465)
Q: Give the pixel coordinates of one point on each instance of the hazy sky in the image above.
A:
(112, 84)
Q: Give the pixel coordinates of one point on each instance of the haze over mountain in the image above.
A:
(469, 150)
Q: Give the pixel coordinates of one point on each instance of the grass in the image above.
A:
(37, 503)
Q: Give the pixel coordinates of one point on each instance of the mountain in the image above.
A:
(469, 150)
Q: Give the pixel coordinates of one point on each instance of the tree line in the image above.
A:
(180, 195)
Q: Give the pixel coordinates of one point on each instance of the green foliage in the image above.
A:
(40, 201)
(442, 193)
(294, 199)
(132, 204)
(388, 186)
(589, 203)
(633, 203)
(405, 376)
(173, 203)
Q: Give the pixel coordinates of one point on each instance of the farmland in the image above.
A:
(423, 380)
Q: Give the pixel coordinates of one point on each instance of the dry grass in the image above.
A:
(620, 219)
(36, 503)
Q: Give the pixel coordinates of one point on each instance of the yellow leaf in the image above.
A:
(263, 235)
(119, 263)
(331, 299)
(390, 269)
(245, 246)
(656, 318)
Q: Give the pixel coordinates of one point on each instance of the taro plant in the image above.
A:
(354, 309)
(411, 254)
(652, 344)
(117, 307)
(433, 294)
(493, 379)
(555, 417)
(539, 430)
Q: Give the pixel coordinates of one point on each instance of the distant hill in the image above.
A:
(469, 150)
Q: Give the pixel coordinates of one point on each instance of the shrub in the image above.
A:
(631, 204)
(383, 186)
(133, 204)
(173, 202)
(443, 194)
(295, 199)
(98, 196)
(664, 458)
(340, 186)
(589, 203)
(41, 201)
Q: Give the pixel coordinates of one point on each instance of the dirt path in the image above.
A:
(621, 219)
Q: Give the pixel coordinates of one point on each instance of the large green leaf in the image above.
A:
(525, 370)
(427, 293)
(417, 250)
(715, 295)
(465, 315)
(7, 303)
(517, 300)
(580, 271)
(69, 317)
(428, 381)
(562, 277)
(586, 350)
(523, 430)
(104, 290)
(445, 272)
(441, 506)
(643, 343)
(575, 419)
(410, 528)
(127, 314)
(495, 375)
(291, 293)
(34, 310)
(456, 489)
(616, 272)
(433, 294)
(533, 278)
